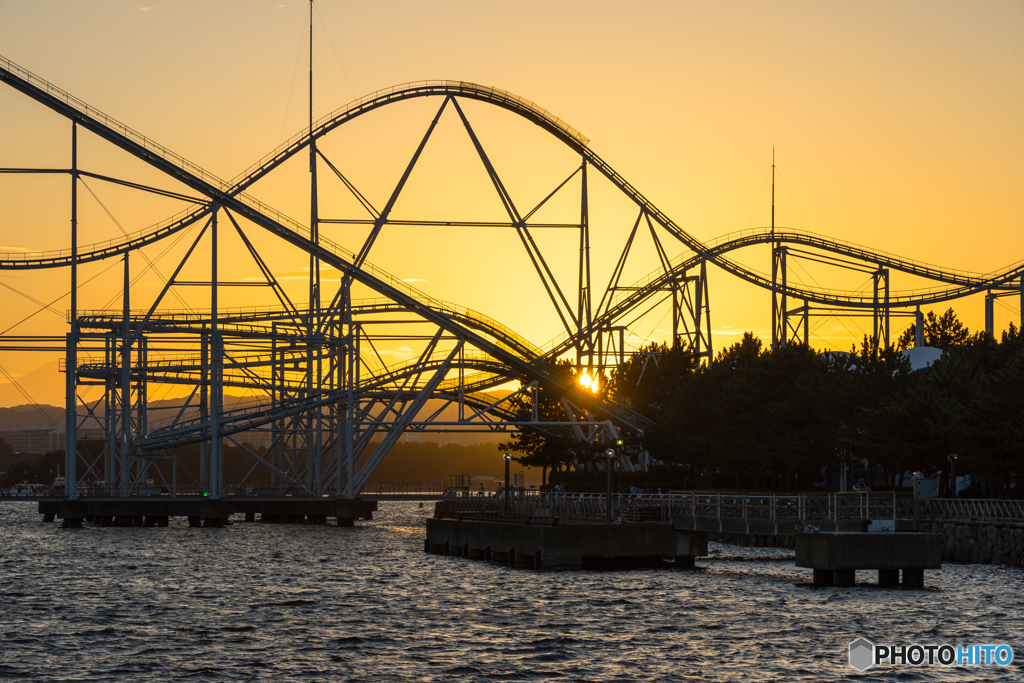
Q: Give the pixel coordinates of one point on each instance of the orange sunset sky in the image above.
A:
(895, 125)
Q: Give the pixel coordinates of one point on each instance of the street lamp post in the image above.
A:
(508, 460)
(952, 476)
(608, 454)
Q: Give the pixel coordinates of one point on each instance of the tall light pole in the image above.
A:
(508, 460)
(608, 455)
(952, 476)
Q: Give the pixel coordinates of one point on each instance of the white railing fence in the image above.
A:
(830, 507)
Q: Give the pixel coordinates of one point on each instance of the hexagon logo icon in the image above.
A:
(862, 652)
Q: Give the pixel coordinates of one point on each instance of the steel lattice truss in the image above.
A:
(325, 394)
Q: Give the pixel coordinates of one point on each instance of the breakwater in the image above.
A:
(964, 542)
(979, 543)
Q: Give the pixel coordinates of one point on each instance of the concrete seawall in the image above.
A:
(975, 543)
(964, 542)
(574, 546)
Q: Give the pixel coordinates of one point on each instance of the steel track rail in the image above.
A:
(969, 283)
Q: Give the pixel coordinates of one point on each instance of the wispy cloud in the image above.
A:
(414, 279)
(279, 278)
(302, 274)
(400, 352)
(146, 9)
(8, 249)
(730, 332)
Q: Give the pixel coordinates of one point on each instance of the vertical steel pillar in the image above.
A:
(71, 361)
(778, 312)
(807, 323)
(583, 296)
(676, 308)
(885, 336)
(340, 372)
(351, 378)
(125, 435)
(142, 387)
(703, 313)
(216, 450)
(608, 486)
(919, 327)
(462, 379)
(109, 404)
(780, 330)
(990, 314)
(273, 404)
(775, 303)
(204, 409)
(880, 308)
(314, 379)
(698, 300)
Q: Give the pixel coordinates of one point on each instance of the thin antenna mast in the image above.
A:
(773, 183)
(312, 149)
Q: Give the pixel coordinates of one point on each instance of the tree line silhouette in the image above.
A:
(783, 419)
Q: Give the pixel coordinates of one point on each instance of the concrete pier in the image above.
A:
(572, 546)
(204, 512)
(835, 557)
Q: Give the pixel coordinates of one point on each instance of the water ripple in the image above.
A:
(314, 603)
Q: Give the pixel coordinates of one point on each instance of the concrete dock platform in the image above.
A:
(204, 512)
(835, 557)
(570, 546)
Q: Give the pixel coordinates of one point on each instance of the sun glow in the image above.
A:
(588, 382)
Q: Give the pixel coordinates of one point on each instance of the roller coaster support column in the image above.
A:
(583, 312)
(1022, 303)
(918, 328)
(275, 461)
(125, 435)
(314, 364)
(807, 323)
(780, 332)
(703, 313)
(216, 374)
(352, 381)
(881, 308)
(204, 408)
(109, 405)
(990, 324)
(693, 308)
(142, 388)
(71, 363)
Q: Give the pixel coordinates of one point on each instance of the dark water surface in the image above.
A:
(309, 603)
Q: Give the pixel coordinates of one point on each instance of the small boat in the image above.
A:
(58, 483)
(27, 490)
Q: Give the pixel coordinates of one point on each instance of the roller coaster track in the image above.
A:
(516, 356)
(964, 283)
(483, 332)
(196, 430)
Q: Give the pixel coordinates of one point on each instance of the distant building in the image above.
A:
(34, 440)
(7, 458)
(922, 357)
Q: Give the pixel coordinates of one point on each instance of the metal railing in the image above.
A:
(970, 509)
(404, 489)
(780, 511)
(578, 507)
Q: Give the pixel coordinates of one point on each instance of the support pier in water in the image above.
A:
(205, 512)
(835, 557)
(568, 546)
